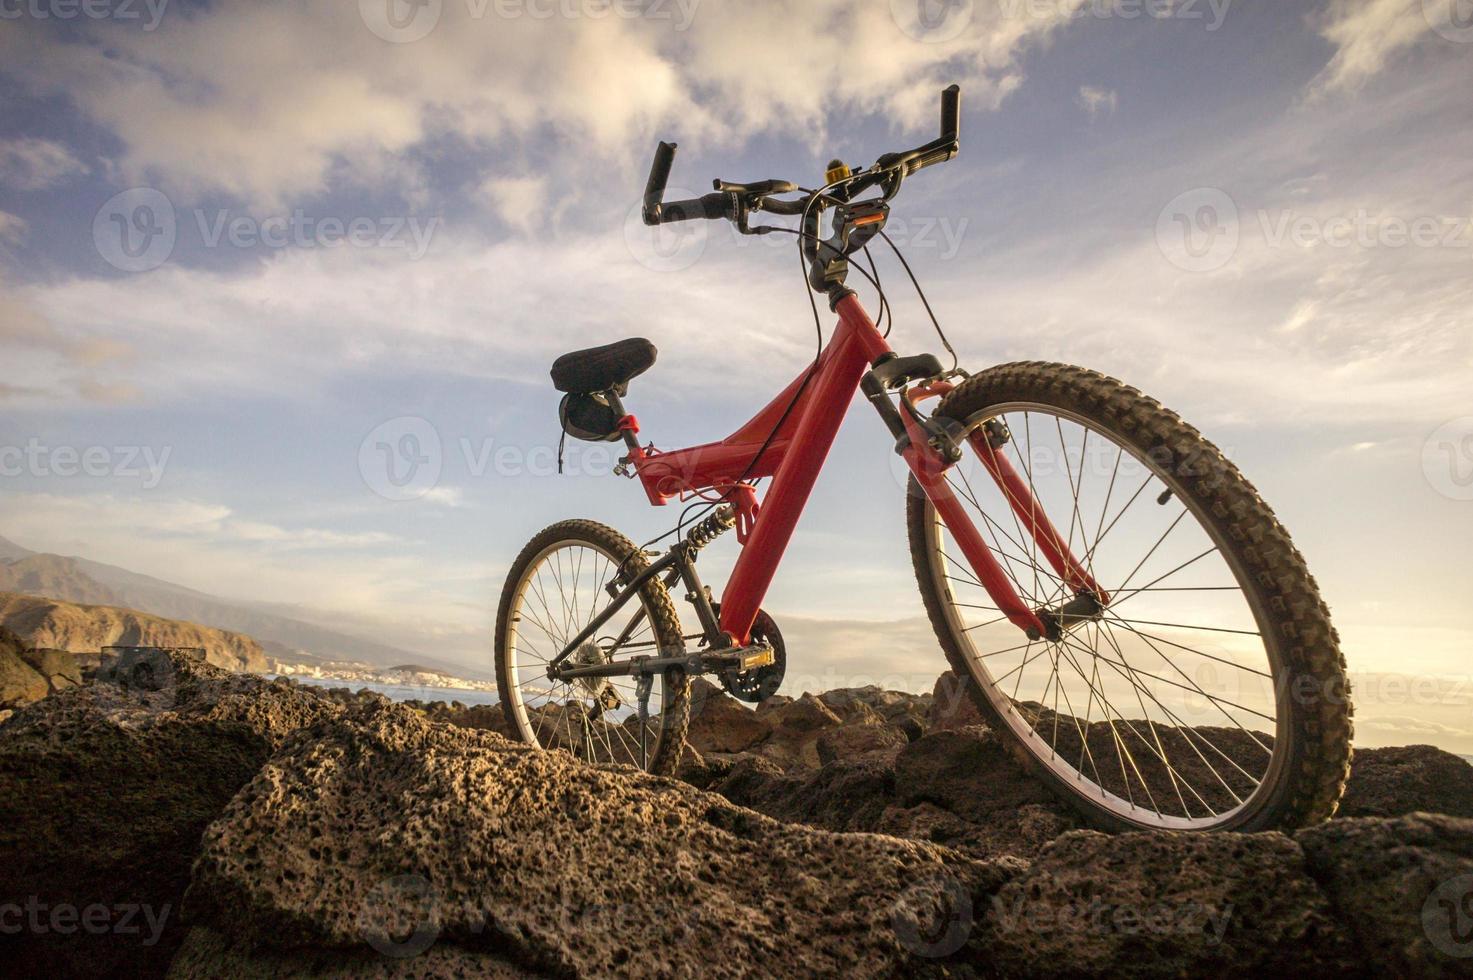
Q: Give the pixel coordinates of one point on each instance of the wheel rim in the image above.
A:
(561, 592)
(1164, 712)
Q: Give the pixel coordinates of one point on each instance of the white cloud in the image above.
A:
(521, 202)
(1367, 35)
(315, 96)
(31, 164)
(1096, 100)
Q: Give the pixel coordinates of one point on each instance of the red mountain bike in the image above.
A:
(1125, 610)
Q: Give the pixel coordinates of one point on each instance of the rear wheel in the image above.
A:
(1209, 692)
(556, 587)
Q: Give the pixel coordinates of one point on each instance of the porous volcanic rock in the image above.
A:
(1165, 905)
(721, 723)
(104, 792)
(1389, 782)
(951, 705)
(856, 741)
(1403, 888)
(381, 827)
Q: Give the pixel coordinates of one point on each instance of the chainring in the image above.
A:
(756, 686)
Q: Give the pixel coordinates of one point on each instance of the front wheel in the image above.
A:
(556, 587)
(1209, 692)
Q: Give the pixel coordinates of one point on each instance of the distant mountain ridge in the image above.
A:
(81, 580)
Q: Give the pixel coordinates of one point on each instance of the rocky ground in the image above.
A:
(179, 820)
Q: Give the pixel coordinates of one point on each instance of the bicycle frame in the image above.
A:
(795, 454)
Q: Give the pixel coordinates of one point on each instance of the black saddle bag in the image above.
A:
(588, 417)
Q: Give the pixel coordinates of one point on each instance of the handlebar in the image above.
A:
(732, 200)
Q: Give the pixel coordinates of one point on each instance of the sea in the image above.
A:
(407, 692)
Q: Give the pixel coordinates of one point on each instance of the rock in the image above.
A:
(1165, 905)
(20, 683)
(721, 723)
(951, 705)
(104, 792)
(968, 772)
(795, 728)
(853, 741)
(1403, 887)
(58, 667)
(891, 707)
(1391, 782)
(381, 826)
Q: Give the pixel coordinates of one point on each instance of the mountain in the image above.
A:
(53, 575)
(56, 625)
(76, 580)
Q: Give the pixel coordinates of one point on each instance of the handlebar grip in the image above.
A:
(705, 206)
(951, 112)
(654, 188)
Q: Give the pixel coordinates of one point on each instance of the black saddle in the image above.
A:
(596, 369)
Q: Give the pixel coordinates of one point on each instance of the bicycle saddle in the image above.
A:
(584, 372)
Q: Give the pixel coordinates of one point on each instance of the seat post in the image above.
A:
(631, 436)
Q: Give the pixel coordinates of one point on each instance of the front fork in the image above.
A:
(930, 450)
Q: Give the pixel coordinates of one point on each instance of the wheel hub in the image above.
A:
(1060, 620)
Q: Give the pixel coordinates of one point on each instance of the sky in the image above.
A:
(243, 246)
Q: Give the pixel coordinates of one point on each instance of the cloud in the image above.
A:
(518, 201)
(316, 80)
(1096, 100)
(12, 229)
(1367, 35)
(30, 164)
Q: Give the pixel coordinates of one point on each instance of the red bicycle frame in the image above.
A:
(795, 454)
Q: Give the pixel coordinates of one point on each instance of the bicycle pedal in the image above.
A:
(745, 658)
